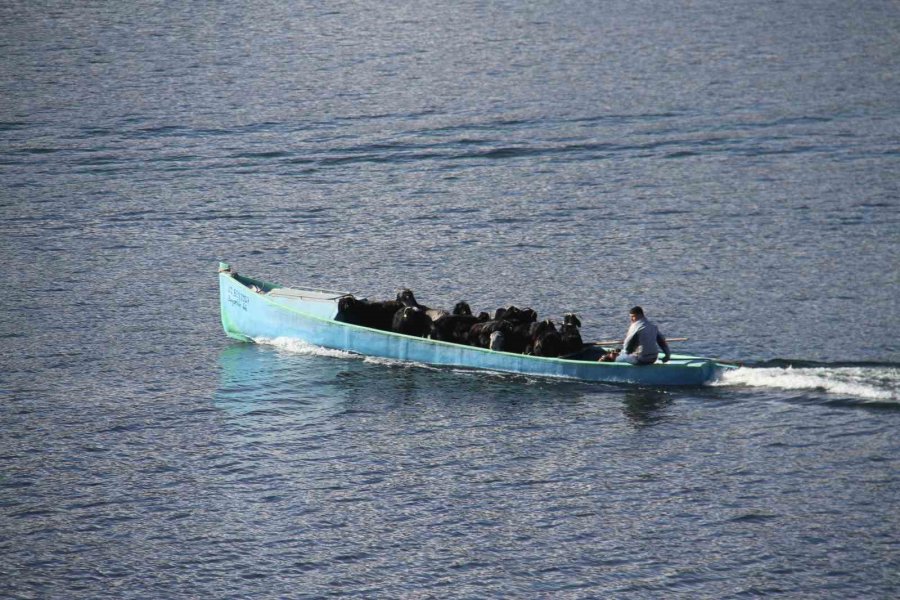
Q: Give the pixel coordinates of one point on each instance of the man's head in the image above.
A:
(636, 313)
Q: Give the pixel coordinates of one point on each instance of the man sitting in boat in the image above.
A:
(642, 342)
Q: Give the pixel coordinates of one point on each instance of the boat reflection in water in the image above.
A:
(307, 385)
(290, 375)
(646, 407)
(258, 380)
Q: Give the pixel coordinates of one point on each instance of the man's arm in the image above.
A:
(662, 343)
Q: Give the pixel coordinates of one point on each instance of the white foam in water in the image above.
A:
(299, 347)
(295, 346)
(395, 362)
(869, 383)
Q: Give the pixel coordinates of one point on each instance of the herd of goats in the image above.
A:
(509, 330)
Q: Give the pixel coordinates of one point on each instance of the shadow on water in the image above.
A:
(312, 384)
(646, 407)
(255, 373)
(256, 380)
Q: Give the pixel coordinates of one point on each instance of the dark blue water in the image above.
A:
(732, 167)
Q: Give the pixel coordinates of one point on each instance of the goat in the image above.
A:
(545, 339)
(406, 297)
(462, 308)
(480, 333)
(412, 321)
(570, 334)
(455, 328)
(377, 315)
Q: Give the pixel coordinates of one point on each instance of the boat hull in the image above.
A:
(307, 316)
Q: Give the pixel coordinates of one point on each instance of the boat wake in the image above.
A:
(295, 346)
(857, 383)
(861, 382)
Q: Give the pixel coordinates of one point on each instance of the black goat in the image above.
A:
(545, 339)
(412, 321)
(518, 315)
(406, 297)
(455, 328)
(462, 308)
(512, 323)
(377, 315)
(480, 333)
(518, 338)
(570, 334)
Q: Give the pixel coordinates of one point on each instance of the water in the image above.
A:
(731, 167)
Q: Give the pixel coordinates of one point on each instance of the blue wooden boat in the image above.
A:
(253, 309)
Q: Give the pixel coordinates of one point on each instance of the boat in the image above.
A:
(254, 310)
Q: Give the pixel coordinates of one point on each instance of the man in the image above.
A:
(642, 342)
